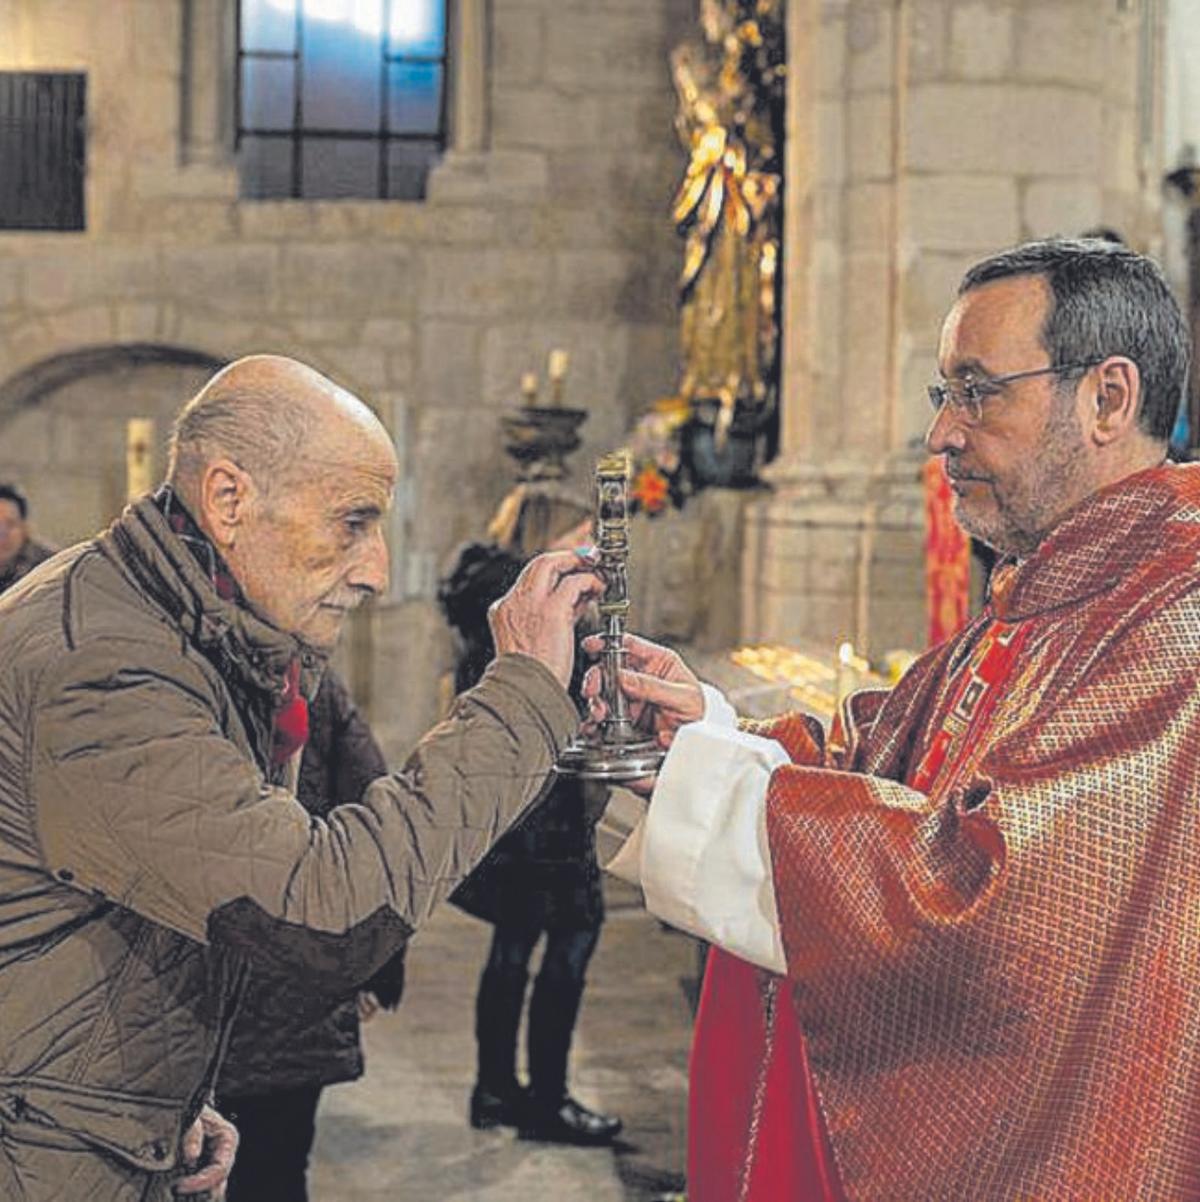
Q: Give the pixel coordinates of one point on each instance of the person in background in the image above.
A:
(290, 1041)
(542, 878)
(20, 552)
(955, 942)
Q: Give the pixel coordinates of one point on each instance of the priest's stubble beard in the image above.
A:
(1018, 507)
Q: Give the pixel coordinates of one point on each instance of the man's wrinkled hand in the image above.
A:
(537, 615)
(208, 1148)
(367, 1004)
(663, 692)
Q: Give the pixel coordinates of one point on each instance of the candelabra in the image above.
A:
(539, 437)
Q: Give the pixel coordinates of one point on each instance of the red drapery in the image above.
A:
(947, 556)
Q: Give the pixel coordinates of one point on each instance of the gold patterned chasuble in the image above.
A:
(989, 887)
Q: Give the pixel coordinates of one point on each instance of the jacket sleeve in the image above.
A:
(388, 982)
(142, 799)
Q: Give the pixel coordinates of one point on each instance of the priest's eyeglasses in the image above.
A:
(966, 396)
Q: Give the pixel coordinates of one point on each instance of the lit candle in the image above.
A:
(845, 667)
(139, 455)
(529, 387)
(556, 369)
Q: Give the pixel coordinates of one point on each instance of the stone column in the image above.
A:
(468, 60)
(472, 170)
(207, 83)
(801, 352)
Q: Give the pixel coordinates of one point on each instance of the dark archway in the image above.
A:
(64, 426)
(30, 386)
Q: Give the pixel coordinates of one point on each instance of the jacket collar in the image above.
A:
(1101, 541)
(227, 631)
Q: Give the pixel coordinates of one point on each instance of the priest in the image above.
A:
(957, 942)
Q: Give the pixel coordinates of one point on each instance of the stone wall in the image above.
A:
(546, 226)
(925, 134)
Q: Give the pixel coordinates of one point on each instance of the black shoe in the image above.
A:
(567, 1122)
(505, 1109)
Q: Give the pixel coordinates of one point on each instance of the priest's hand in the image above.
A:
(663, 692)
(537, 615)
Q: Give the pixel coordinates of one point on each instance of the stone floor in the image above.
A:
(401, 1132)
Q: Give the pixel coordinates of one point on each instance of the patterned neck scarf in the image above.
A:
(290, 730)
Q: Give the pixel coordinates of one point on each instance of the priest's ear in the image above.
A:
(1113, 390)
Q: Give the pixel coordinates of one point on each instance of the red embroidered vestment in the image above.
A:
(990, 904)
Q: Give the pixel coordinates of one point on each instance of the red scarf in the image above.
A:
(291, 720)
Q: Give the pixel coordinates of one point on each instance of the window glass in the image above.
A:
(408, 169)
(340, 97)
(268, 93)
(340, 167)
(415, 98)
(42, 150)
(418, 28)
(269, 25)
(266, 168)
(342, 66)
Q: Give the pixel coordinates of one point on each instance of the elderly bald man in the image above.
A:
(152, 686)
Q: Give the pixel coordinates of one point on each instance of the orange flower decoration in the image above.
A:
(650, 489)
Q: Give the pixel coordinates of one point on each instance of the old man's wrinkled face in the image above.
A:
(13, 531)
(313, 549)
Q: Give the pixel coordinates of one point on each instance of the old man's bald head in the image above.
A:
(289, 476)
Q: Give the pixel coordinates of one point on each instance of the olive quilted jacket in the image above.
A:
(144, 856)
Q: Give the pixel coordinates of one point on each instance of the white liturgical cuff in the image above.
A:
(701, 853)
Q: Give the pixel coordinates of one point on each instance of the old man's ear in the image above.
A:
(225, 491)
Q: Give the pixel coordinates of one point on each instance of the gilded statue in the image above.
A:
(730, 120)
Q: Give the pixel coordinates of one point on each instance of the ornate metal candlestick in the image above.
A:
(618, 751)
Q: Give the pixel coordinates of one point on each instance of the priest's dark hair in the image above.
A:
(1106, 300)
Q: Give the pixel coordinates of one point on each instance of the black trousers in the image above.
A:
(553, 1007)
(277, 1132)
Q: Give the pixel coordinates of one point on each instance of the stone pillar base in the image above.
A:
(836, 553)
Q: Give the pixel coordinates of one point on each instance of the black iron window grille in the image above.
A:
(340, 98)
(42, 150)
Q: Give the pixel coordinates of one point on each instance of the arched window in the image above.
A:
(340, 98)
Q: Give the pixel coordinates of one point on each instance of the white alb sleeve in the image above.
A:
(626, 862)
(705, 865)
(717, 708)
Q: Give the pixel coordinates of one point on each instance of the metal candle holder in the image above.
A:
(617, 751)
